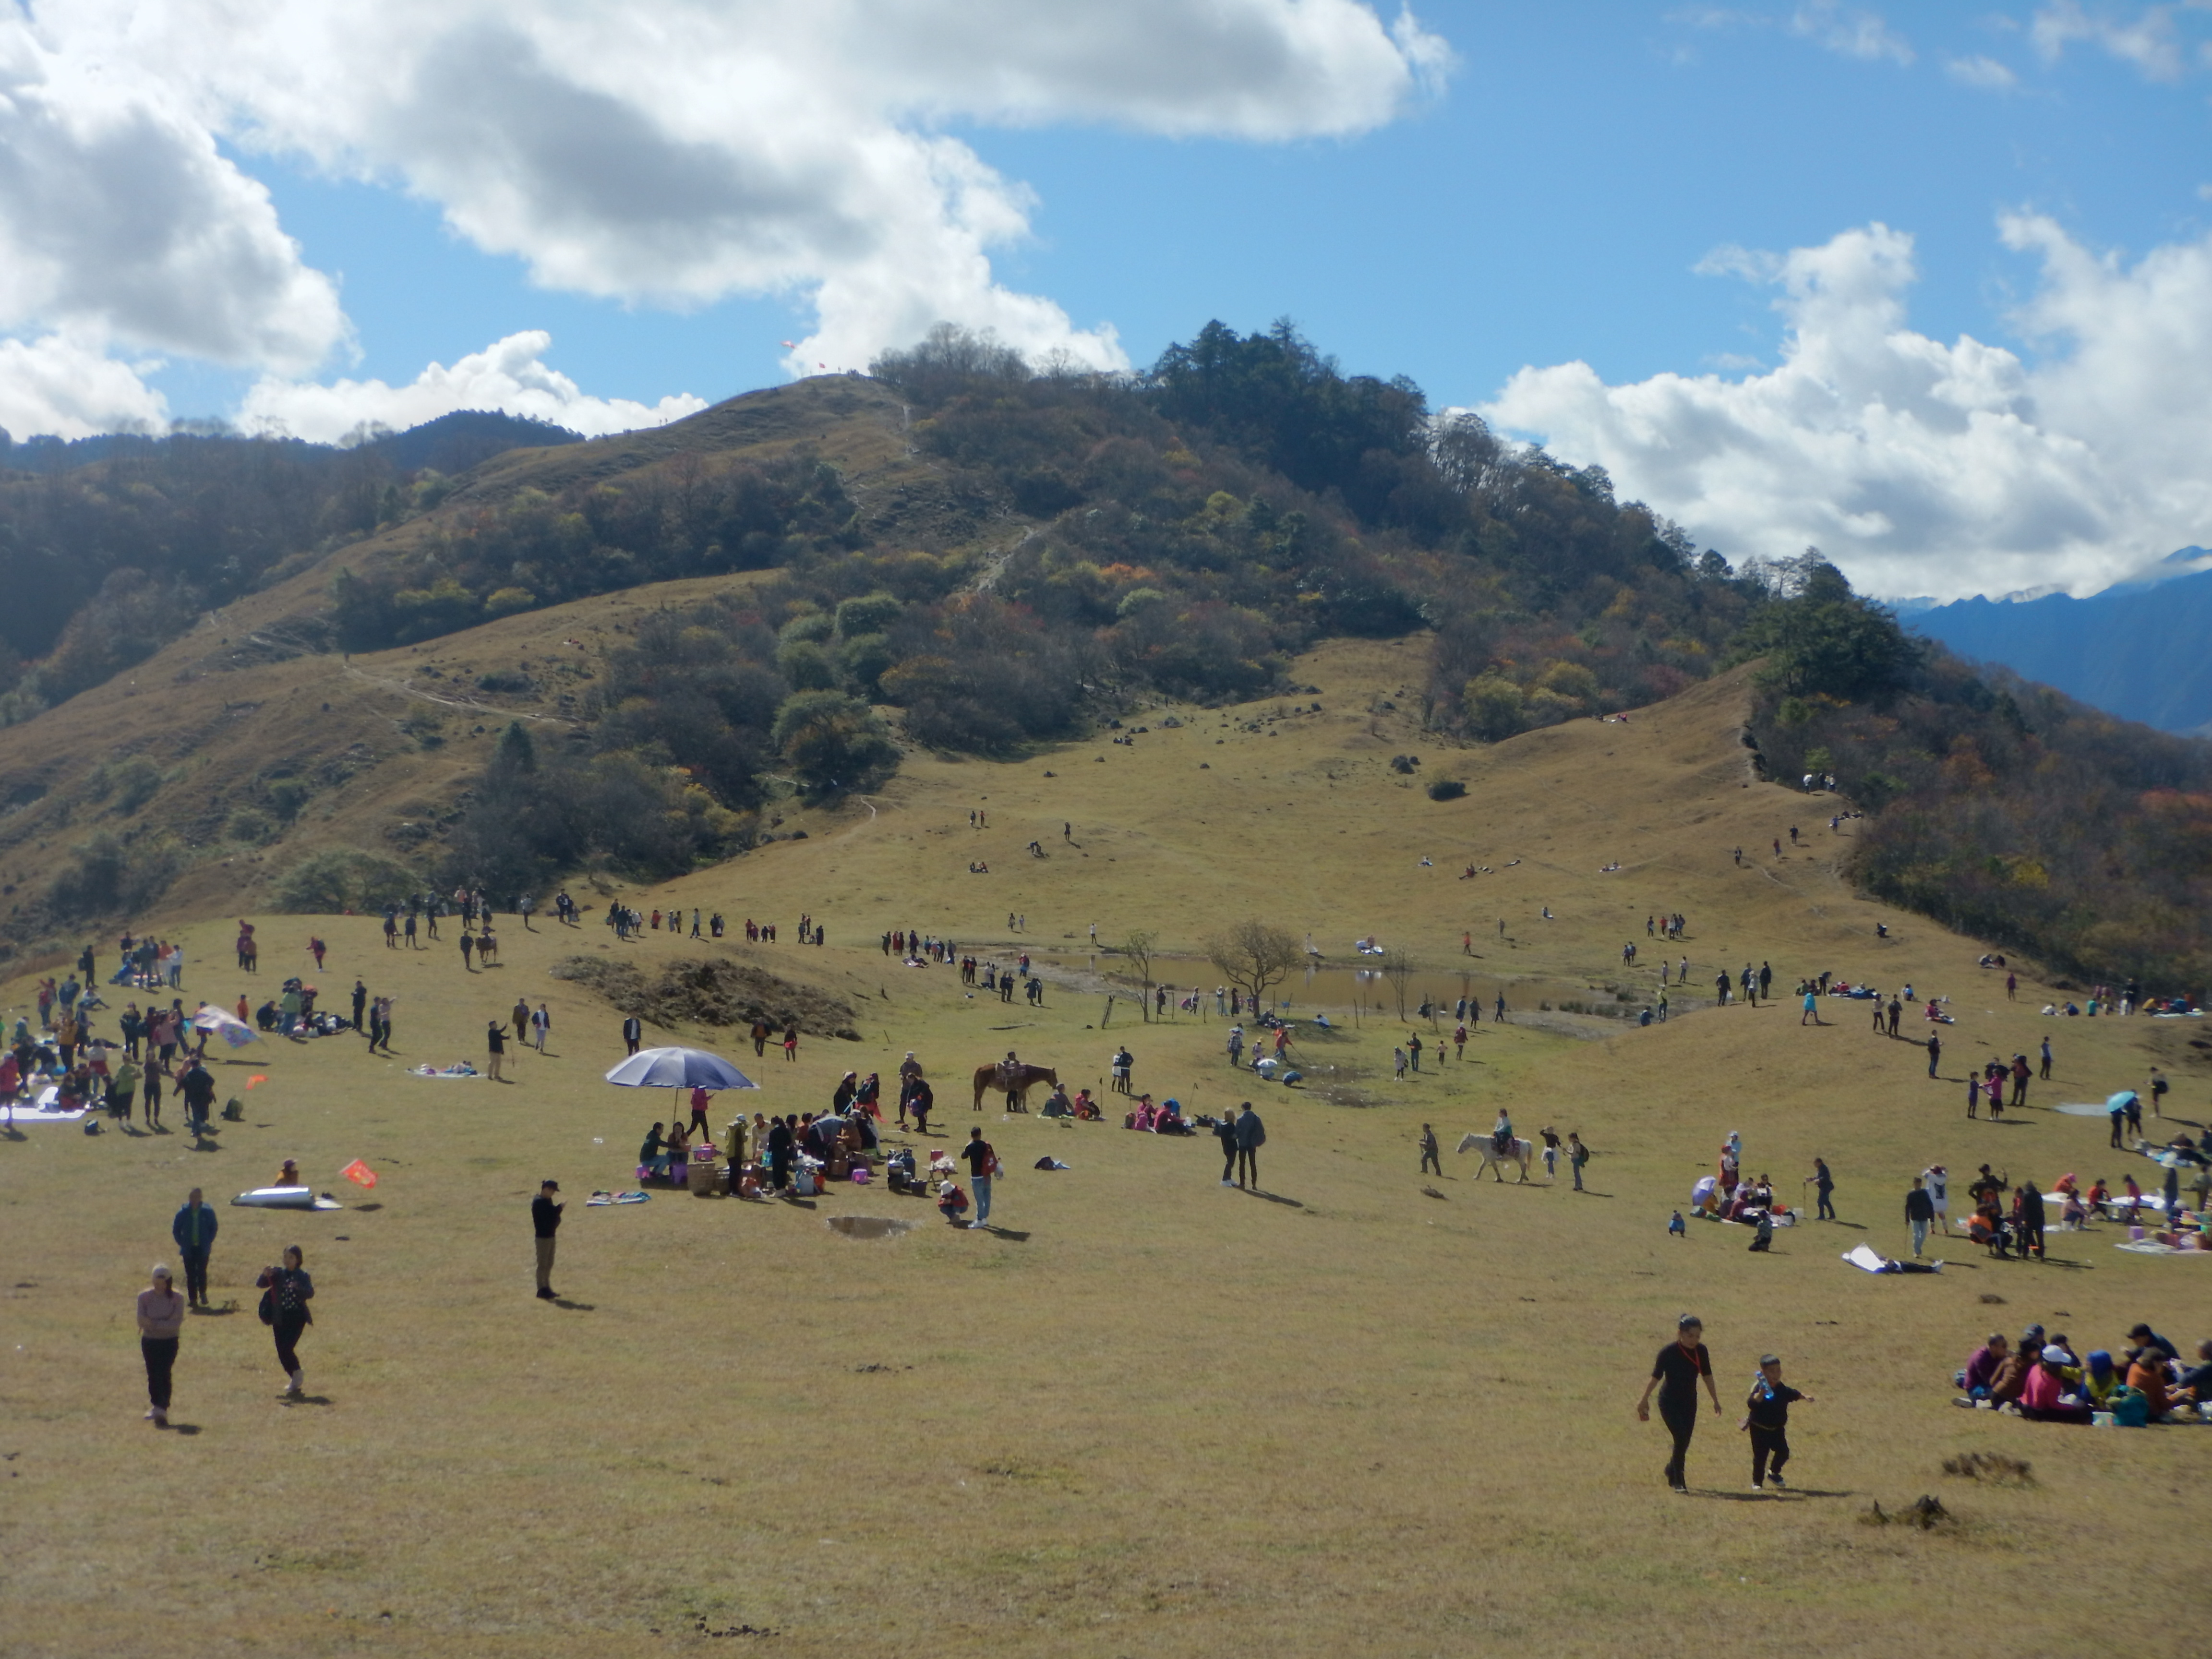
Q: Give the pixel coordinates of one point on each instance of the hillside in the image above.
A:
(2134, 650)
(1143, 1414)
(962, 555)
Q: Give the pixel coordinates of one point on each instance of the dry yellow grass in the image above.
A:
(1153, 1417)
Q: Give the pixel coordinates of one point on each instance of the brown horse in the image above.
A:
(987, 1077)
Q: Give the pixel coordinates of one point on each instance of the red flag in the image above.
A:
(358, 1173)
(258, 1079)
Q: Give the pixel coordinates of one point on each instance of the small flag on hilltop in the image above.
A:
(256, 1081)
(358, 1173)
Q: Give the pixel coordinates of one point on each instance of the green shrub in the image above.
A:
(343, 879)
(1447, 789)
(107, 875)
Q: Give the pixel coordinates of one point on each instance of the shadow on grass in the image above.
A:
(799, 1203)
(11, 1132)
(1008, 1233)
(574, 1306)
(1275, 1198)
(363, 1209)
(289, 1400)
(206, 1143)
(206, 1312)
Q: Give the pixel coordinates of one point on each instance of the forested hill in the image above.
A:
(964, 552)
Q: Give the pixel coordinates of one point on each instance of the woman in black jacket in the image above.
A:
(285, 1310)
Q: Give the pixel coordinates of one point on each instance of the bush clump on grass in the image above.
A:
(1447, 789)
(343, 879)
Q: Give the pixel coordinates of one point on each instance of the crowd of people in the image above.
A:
(2040, 1377)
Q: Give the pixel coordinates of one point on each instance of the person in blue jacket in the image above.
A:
(194, 1232)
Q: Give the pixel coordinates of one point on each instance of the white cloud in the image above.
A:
(667, 151)
(510, 375)
(72, 389)
(1986, 73)
(119, 219)
(1921, 467)
(2150, 39)
(1851, 31)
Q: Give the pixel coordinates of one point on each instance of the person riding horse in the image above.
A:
(1501, 1135)
(1010, 1071)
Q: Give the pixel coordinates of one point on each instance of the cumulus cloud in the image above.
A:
(669, 152)
(118, 218)
(72, 389)
(1920, 467)
(510, 375)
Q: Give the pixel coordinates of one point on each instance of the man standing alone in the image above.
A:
(193, 1229)
(1428, 1158)
(981, 1160)
(495, 1042)
(1251, 1136)
(545, 1222)
(634, 1029)
(1919, 1211)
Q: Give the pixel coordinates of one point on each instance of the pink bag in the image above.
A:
(860, 1175)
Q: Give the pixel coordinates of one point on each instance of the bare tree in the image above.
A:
(1138, 947)
(1254, 954)
(1398, 969)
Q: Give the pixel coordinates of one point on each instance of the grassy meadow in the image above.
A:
(1359, 1412)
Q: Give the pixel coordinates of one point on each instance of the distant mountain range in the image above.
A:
(2137, 650)
(451, 443)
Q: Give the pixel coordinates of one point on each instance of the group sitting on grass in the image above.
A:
(2043, 1380)
(1165, 1119)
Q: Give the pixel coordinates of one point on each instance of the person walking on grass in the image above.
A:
(545, 1223)
(1550, 1137)
(791, 1043)
(634, 1032)
(468, 951)
(1681, 1367)
(1251, 1136)
(1823, 1184)
(1766, 1417)
(1812, 1014)
(541, 1027)
(496, 1043)
(284, 1310)
(194, 1228)
(1429, 1160)
(1919, 1211)
(160, 1323)
(1935, 1052)
(1577, 1155)
(2045, 1073)
(982, 1164)
(360, 1006)
(520, 1015)
(1225, 1132)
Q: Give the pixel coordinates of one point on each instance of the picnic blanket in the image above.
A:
(45, 1109)
(459, 1069)
(599, 1200)
(2151, 1247)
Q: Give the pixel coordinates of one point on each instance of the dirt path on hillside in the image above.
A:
(404, 688)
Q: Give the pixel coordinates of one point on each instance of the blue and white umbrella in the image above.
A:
(679, 1068)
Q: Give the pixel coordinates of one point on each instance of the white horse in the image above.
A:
(1520, 1152)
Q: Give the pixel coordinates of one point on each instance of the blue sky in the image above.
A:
(1555, 197)
(1553, 202)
